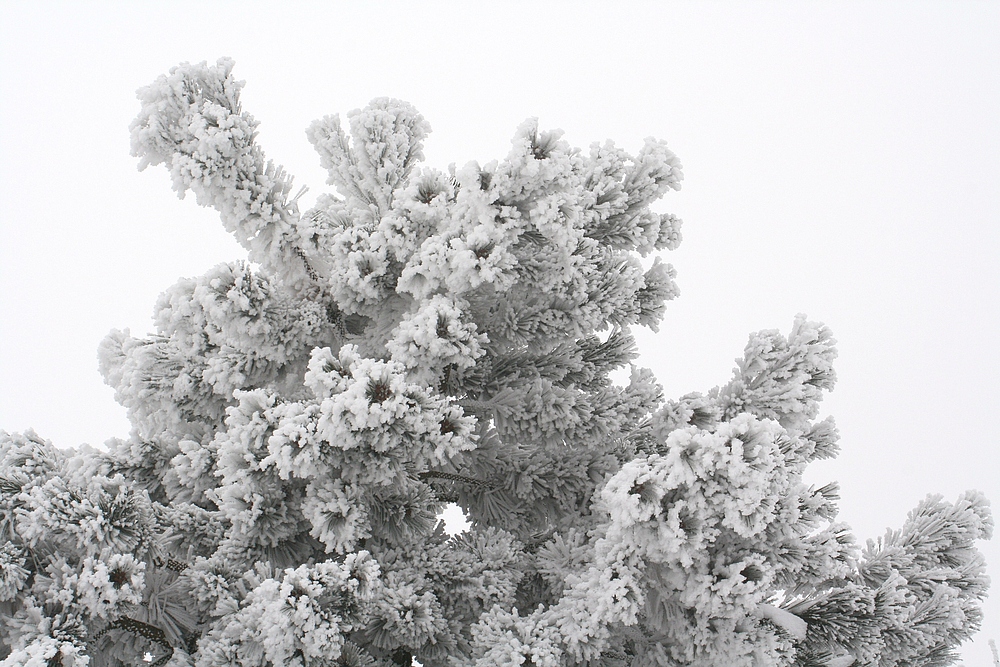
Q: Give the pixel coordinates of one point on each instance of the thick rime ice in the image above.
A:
(420, 338)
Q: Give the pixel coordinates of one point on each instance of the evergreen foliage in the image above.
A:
(422, 338)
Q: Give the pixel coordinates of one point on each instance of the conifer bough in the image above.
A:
(422, 338)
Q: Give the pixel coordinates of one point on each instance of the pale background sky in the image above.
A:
(841, 160)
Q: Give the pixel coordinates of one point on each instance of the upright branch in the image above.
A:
(193, 123)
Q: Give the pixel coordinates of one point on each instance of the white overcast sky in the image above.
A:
(841, 160)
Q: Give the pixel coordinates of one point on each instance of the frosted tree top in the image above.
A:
(420, 338)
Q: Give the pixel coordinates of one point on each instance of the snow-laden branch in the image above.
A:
(193, 123)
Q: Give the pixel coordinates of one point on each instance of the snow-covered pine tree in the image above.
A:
(422, 338)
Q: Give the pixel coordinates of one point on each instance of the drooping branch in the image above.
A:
(150, 632)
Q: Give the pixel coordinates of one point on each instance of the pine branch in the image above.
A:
(452, 477)
(175, 565)
(150, 632)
